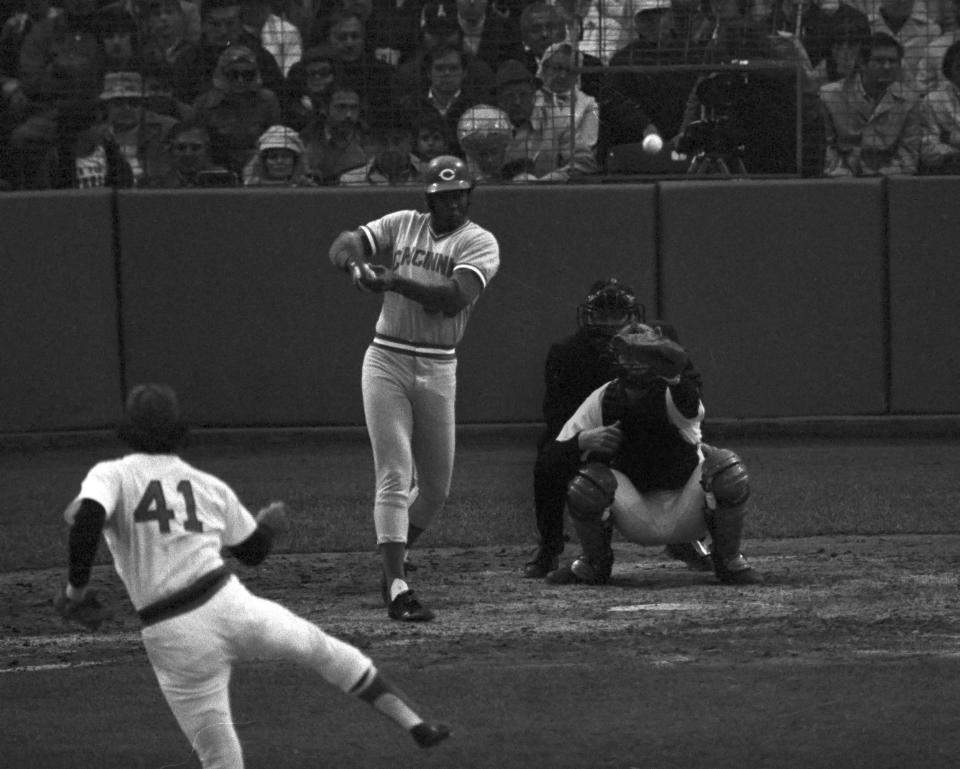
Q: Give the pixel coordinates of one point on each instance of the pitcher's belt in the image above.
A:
(418, 349)
(192, 596)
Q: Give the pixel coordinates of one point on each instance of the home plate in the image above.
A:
(654, 607)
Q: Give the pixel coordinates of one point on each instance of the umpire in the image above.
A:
(575, 367)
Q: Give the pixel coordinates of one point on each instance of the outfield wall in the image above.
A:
(796, 298)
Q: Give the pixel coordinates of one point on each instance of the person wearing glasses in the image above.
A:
(223, 27)
(237, 109)
(188, 162)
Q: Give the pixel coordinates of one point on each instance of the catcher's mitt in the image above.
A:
(86, 611)
(643, 351)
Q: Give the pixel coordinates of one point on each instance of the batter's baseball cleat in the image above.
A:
(428, 735)
(542, 563)
(406, 608)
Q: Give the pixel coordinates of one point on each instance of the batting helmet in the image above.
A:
(446, 173)
(608, 307)
(151, 420)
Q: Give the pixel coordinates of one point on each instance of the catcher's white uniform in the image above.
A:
(656, 516)
(165, 526)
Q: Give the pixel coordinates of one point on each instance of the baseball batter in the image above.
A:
(165, 523)
(438, 263)
(646, 471)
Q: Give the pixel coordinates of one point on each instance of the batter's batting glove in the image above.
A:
(362, 275)
(86, 610)
(428, 735)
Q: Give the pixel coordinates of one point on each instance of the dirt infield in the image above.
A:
(846, 657)
(824, 598)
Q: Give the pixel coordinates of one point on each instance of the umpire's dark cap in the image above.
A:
(151, 420)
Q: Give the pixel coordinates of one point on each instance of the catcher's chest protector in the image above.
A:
(654, 455)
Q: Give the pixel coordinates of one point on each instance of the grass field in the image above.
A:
(847, 657)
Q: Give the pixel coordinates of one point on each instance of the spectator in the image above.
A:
(188, 161)
(346, 34)
(931, 65)
(306, 90)
(139, 10)
(222, 28)
(489, 36)
(484, 133)
(637, 104)
(172, 63)
(337, 144)
(393, 161)
(540, 27)
(542, 148)
(848, 32)
(432, 138)
(280, 161)
(694, 22)
(565, 107)
(15, 29)
(60, 74)
(393, 28)
(901, 20)
(278, 35)
(411, 76)
(940, 120)
(445, 95)
(607, 27)
(871, 116)
(237, 109)
(129, 145)
(119, 37)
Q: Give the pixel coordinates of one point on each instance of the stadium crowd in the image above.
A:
(184, 93)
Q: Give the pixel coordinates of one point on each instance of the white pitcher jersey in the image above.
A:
(406, 239)
(166, 521)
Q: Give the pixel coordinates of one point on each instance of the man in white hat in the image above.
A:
(128, 146)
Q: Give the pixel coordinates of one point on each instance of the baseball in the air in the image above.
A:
(652, 144)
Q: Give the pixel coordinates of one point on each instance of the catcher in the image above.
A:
(165, 523)
(648, 473)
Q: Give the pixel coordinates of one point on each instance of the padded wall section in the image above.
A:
(778, 290)
(229, 296)
(58, 318)
(554, 243)
(924, 237)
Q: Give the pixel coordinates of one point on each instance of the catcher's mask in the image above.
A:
(609, 305)
(151, 420)
(627, 346)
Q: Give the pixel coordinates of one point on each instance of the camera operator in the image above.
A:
(747, 118)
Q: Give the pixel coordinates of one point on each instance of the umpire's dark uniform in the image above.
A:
(575, 367)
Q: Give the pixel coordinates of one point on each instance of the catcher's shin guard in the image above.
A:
(589, 496)
(595, 563)
(726, 485)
